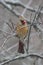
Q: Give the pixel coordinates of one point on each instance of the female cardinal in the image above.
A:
(21, 28)
(21, 31)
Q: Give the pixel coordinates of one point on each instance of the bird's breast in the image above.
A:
(21, 30)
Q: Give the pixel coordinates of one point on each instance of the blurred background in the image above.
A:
(36, 38)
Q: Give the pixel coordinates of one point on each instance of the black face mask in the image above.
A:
(22, 22)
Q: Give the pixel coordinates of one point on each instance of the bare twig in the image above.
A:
(11, 23)
(20, 57)
(29, 32)
(34, 20)
(28, 38)
(8, 38)
(23, 5)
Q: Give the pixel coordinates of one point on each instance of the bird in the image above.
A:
(21, 31)
(22, 28)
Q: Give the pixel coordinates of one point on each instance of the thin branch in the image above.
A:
(11, 23)
(23, 5)
(2, 31)
(28, 39)
(13, 11)
(9, 8)
(35, 18)
(13, 58)
(7, 39)
(29, 32)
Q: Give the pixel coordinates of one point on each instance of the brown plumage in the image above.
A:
(21, 30)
